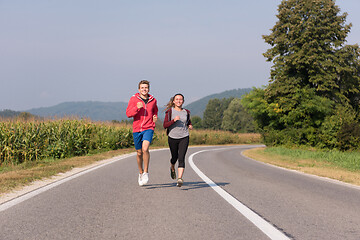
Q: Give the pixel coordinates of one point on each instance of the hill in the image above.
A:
(107, 111)
(7, 113)
(197, 108)
(97, 111)
(10, 114)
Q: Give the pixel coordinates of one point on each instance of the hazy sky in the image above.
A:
(54, 51)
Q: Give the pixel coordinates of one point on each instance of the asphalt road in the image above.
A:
(107, 203)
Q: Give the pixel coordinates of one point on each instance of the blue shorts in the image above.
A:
(139, 137)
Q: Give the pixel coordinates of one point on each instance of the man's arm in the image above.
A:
(156, 110)
(132, 108)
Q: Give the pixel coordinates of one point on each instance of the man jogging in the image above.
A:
(143, 108)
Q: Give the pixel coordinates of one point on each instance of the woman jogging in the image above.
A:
(143, 108)
(177, 122)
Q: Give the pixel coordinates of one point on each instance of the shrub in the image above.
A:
(349, 136)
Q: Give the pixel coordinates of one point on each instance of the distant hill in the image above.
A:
(10, 114)
(7, 113)
(107, 111)
(97, 111)
(198, 107)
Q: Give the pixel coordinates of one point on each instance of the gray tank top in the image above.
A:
(179, 129)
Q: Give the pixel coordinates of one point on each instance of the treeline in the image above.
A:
(313, 98)
(10, 114)
(226, 114)
(7, 113)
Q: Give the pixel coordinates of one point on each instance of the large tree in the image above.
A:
(236, 119)
(214, 112)
(315, 77)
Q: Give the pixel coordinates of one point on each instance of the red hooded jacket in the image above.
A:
(143, 117)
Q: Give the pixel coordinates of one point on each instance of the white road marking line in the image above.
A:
(26, 196)
(259, 222)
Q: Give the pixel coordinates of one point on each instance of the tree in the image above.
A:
(214, 111)
(236, 119)
(196, 122)
(7, 113)
(313, 73)
(304, 43)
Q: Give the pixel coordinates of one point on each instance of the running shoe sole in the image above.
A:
(179, 182)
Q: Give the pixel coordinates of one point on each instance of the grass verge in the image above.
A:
(342, 166)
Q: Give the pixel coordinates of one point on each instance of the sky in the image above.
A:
(54, 51)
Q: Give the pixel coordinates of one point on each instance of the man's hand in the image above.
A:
(155, 118)
(139, 105)
(190, 127)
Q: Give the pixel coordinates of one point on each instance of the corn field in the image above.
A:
(22, 141)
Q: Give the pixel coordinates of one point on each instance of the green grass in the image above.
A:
(346, 160)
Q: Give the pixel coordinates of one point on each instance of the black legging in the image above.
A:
(178, 148)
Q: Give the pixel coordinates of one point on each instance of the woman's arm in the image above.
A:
(167, 123)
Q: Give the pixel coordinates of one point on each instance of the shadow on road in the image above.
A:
(185, 186)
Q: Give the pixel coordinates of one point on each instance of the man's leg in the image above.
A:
(147, 138)
(139, 158)
(146, 155)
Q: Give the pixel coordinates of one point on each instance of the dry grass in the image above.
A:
(211, 137)
(310, 166)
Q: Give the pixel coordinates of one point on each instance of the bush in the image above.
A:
(349, 136)
(196, 121)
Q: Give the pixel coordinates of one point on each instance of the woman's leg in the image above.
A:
(174, 149)
(183, 146)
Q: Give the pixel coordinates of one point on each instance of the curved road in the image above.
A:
(227, 196)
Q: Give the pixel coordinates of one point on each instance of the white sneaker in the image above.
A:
(140, 180)
(180, 182)
(145, 178)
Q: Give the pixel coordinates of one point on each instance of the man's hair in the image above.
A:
(144, 82)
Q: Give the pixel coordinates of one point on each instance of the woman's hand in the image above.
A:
(190, 127)
(177, 118)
